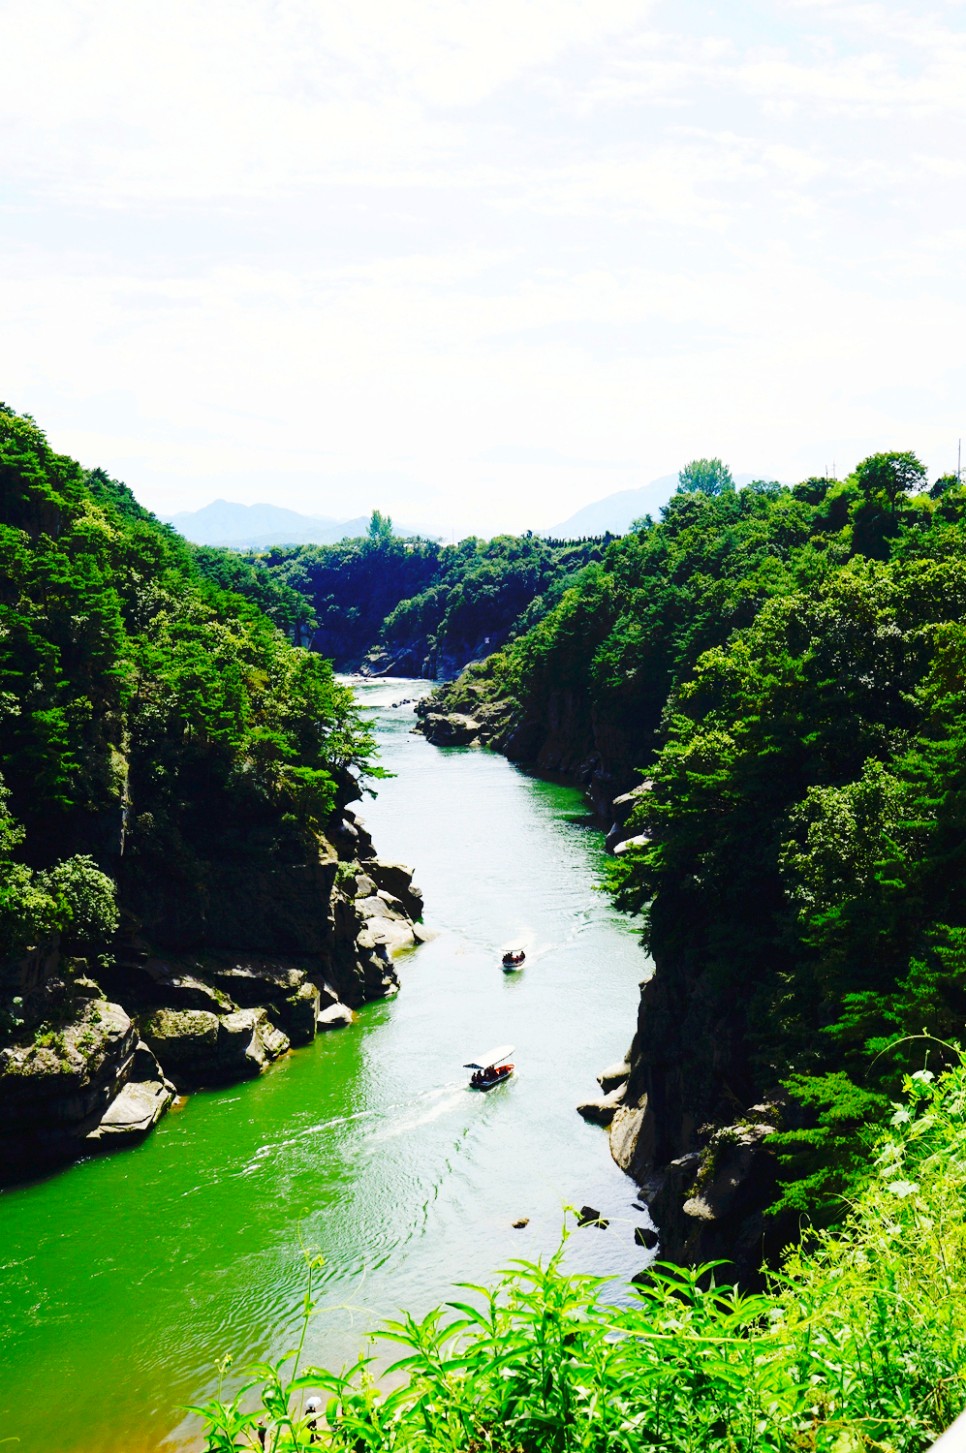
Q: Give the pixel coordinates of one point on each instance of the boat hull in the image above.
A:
(487, 1082)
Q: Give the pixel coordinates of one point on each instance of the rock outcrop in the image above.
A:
(217, 976)
(703, 1163)
(451, 729)
(61, 1094)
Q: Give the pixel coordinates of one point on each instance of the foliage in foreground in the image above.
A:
(859, 1344)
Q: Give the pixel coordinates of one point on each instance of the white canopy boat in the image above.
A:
(491, 1067)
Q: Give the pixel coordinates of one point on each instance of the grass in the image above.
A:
(858, 1344)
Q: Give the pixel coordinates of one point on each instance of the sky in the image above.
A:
(479, 262)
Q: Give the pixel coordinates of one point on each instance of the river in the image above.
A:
(124, 1279)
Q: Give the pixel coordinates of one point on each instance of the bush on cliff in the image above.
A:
(858, 1344)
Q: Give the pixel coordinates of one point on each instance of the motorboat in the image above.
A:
(514, 958)
(491, 1067)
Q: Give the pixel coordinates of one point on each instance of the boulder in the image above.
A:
(623, 806)
(613, 1076)
(58, 1087)
(185, 1042)
(327, 995)
(337, 1016)
(450, 729)
(602, 1110)
(298, 1012)
(253, 982)
(397, 879)
(380, 905)
(132, 1113)
(387, 923)
(247, 1041)
(359, 967)
(632, 1134)
(589, 1216)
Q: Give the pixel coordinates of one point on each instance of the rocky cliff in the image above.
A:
(213, 977)
(564, 739)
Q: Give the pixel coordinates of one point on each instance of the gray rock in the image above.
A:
(380, 905)
(298, 1013)
(387, 925)
(613, 1076)
(273, 1041)
(602, 1110)
(133, 1112)
(253, 982)
(63, 1082)
(170, 983)
(248, 1040)
(632, 1136)
(640, 840)
(195, 1047)
(450, 729)
(337, 1016)
(327, 995)
(397, 879)
(185, 1041)
(589, 1216)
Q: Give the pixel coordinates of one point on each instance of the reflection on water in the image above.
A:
(123, 1280)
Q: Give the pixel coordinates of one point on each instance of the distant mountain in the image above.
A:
(257, 527)
(617, 512)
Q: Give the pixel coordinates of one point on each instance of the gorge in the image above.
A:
(140, 1270)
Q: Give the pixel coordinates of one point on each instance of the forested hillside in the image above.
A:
(417, 608)
(173, 774)
(786, 668)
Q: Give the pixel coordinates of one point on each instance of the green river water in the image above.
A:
(124, 1279)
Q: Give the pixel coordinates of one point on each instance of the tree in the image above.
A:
(705, 476)
(890, 475)
(380, 528)
(943, 483)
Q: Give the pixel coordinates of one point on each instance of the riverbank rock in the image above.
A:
(138, 1107)
(602, 1110)
(57, 1087)
(196, 1048)
(621, 811)
(397, 880)
(450, 729)
(336, 1016)
(225, 964)
(613, 1076)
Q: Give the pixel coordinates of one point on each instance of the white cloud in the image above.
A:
(307, 251)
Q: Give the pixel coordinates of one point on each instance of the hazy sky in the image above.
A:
(479, 262)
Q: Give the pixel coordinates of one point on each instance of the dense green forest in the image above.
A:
(414, 607)
(154, 716)
(786, 667)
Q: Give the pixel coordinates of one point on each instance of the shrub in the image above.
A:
(859, 1343)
